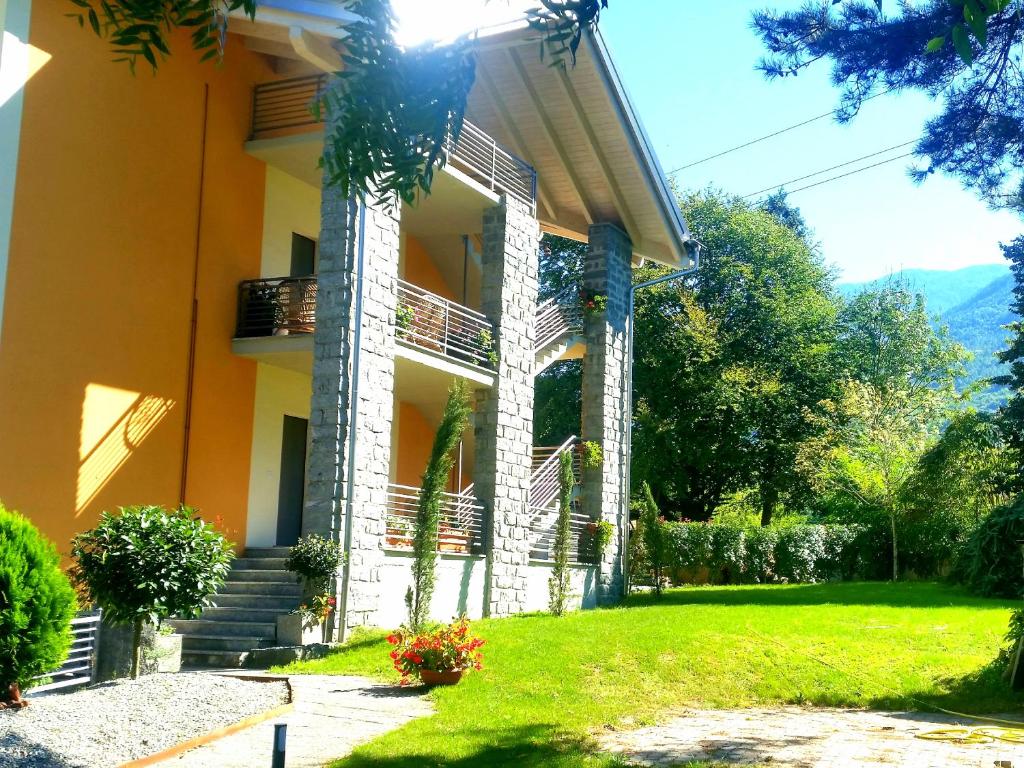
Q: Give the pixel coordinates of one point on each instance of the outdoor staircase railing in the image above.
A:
(558, 317)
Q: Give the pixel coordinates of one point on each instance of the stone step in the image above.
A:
(270, 574)
(221, 642)
(266, 552)
(207, 627)
(259, 564)
(213, 659)
(277, 603)
(233, 614)
(260, 588)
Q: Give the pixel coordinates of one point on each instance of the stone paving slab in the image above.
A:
(332, 716)
(795, 737)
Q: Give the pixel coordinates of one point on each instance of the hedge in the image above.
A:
(729, 554)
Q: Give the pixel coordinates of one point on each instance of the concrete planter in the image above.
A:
(293, 631)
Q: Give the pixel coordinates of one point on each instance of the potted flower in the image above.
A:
(315, 561)
(438, 657)
(592, 302)
(306, 625)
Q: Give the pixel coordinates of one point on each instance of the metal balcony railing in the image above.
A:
(558, 317)
(284, 105)
(545, 489)
(279, 306)
(461, 529)
(544, 477)
(432, 322)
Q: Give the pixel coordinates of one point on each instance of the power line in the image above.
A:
(850, 173)
(752, 142)
(832, 168)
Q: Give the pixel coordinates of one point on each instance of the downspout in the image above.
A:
(352, 420)
(627, 465)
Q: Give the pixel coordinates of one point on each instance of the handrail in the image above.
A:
(559, 316)
(281, 106)
(544, 481)
(461, 527)
(276, 306)
(433, 322)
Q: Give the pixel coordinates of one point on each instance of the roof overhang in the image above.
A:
(575, 125)
(579, 130)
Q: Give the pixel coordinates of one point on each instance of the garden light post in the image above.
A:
(693, 247)
(280, 741)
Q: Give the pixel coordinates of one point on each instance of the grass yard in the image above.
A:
(549, 683)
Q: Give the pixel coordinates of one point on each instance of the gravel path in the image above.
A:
(112, 723)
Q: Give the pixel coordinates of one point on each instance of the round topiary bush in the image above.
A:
(37, 604)
(990, 563)
(148, 564)
(314, 560)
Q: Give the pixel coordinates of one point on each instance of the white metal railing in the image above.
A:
(544, 480)
(581, 534)
(461, 528)
(440, 325)
(483, 159)
(284, 105)
(558, 317)
(80, 666)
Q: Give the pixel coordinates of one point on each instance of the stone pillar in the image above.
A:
(607, 271)
(503, 422)
(335, 356)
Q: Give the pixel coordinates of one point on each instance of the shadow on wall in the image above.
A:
(115, 422)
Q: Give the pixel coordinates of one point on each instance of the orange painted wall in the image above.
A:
(93, 359)
(420, 269)
(415, 439)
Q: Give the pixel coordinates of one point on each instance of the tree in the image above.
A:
(560, 581)
(428, 512)
(36, 607)
(726, 361)
(869, 448)
(148, 564)
(964, 52)
(1011, 417)
(652, 527)
(393, 108)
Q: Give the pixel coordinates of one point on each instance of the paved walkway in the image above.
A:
(332, 716)
(807, 738)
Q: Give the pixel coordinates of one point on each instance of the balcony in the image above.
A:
(283, 109)
(277, 316)
(460, 531)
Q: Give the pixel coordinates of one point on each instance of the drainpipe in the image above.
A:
(352, 420)
(692, 246)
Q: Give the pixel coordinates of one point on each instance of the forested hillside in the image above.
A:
(974, 304)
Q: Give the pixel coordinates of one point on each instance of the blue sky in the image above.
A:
(691, 74)
(689, 66)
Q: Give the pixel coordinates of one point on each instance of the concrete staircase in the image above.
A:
(244, 612)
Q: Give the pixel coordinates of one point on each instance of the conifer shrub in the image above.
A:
(37, 603)
(991, 561)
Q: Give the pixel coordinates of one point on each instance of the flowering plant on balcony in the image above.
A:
(592, 302)
(404, 317)
(440, 655)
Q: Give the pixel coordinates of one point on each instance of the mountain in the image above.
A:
(973, 303)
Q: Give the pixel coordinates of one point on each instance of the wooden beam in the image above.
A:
(315, 50)
(508, 125)
(552, 136)
(602, 161)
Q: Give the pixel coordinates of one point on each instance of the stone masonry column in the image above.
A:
(332, 417)
(607, 270)
(503, 421)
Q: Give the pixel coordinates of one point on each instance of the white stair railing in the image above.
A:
(557, 318)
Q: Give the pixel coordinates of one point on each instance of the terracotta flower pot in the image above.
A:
(448, 677)
(13, 699)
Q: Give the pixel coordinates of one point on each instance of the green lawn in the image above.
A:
(549, 684)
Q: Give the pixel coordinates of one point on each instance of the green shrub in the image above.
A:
(733, 554)
(759, 554)
(314, 560)
(657, 547)
(147, 564)
(991, 560)
(37, 603)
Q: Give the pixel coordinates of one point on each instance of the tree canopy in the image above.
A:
(964, 53)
